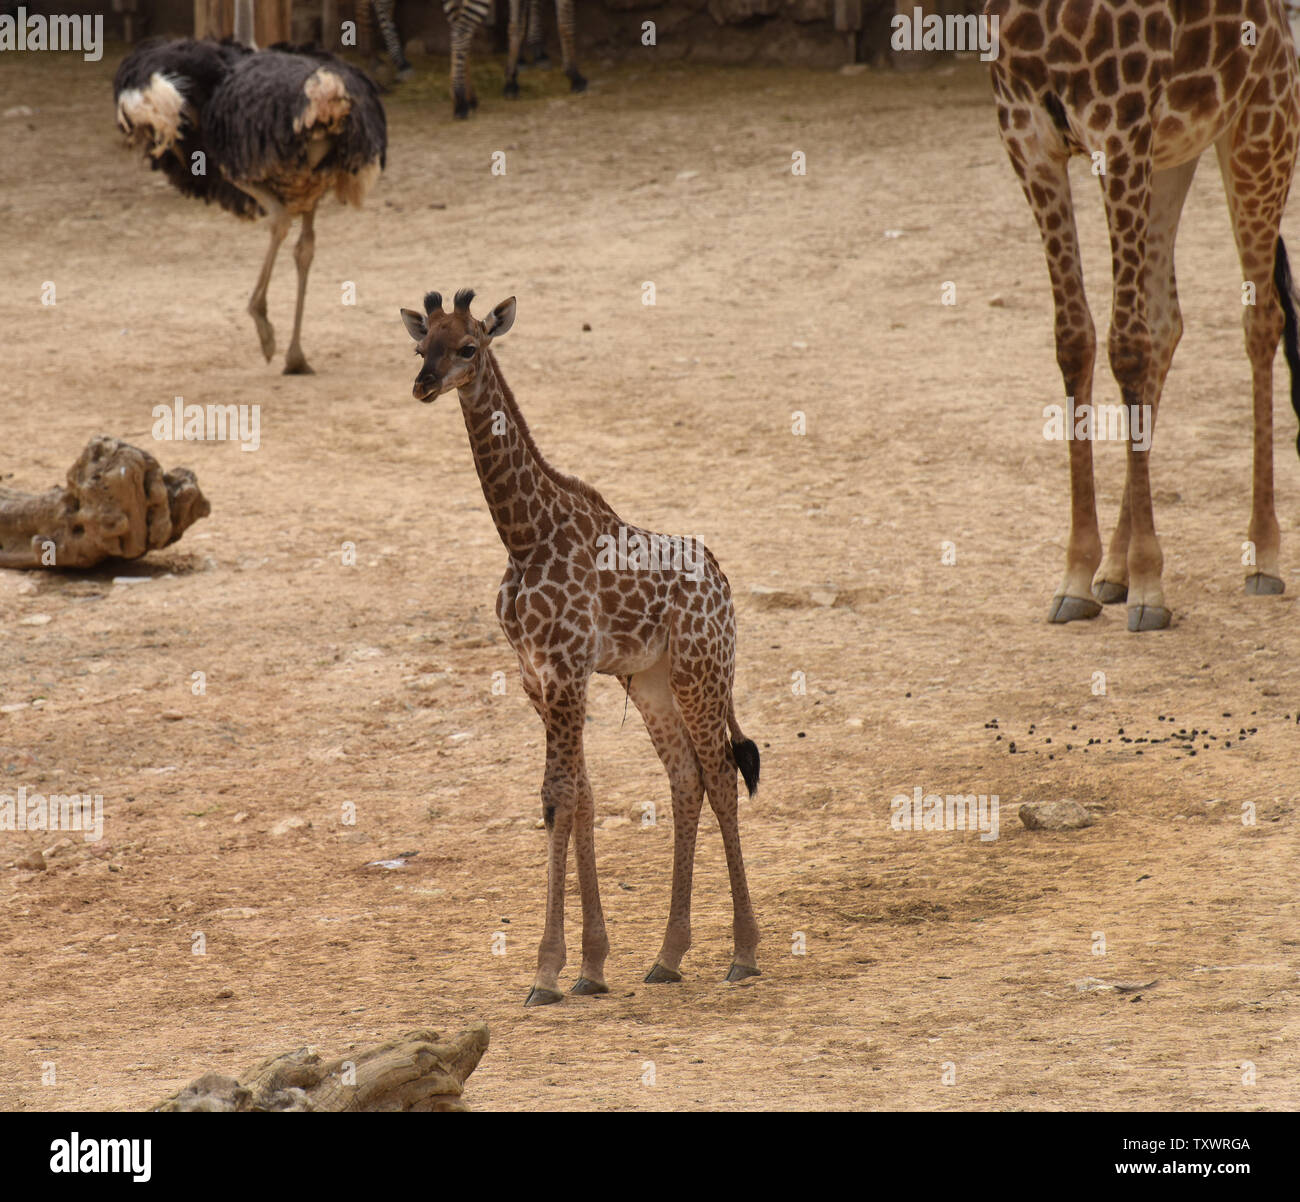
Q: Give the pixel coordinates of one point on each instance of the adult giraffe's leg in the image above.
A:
(568, 45)
(516, 35)
(1044, 175)
(563, 712)
(295, 362)
(652, 694)
(280, 222)
(1127, 197)
(1257, 159)
(595, 941)
(1165, 320)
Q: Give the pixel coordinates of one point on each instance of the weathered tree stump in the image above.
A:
(421, 1070)
(118, 502)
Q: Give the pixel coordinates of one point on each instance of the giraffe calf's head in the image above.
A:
(452, 344)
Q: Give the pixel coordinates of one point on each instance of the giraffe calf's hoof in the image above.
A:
(659, 975)
(585, 988)
(1110, 592)
(739, 972)
(1148, 617)
(1070, 609)
(543, 997)
(1261, 585)
(298, 367)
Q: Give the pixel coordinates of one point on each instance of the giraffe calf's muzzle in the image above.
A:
(425, 391)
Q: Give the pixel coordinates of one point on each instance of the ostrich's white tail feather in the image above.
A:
(160, 109)
(328, 103)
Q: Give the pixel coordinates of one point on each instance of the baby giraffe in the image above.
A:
(584, 592)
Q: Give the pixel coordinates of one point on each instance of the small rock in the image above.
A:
(172, 716)
(56, 848)
(997, 302)
(242, 816)
(35, 620)
(285, 825)
(32, 862)
(1054, 815)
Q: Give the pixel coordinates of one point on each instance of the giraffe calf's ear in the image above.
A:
(415, 324)
(500, 319)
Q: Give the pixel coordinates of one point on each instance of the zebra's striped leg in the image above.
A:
(463, 22)
(536, 37)
(564, 18)
(392, 39)
(512, 58)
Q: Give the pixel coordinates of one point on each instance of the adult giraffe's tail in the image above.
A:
(1291, 330)
(744, 750)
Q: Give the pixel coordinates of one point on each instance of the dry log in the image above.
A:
(421, 1070)
(118, 502)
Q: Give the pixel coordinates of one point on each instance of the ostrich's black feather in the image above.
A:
(254, 108)
(196, 68)
(244, 104)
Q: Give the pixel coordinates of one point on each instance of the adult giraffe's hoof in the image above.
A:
(1148, 617)
(577, 82)
(543, 997)
(585, 988)
(1261, 585)
(1070, 609)
(460, 106)
(512, 89)
(738, 972)
(1110, 592)
(659, 975)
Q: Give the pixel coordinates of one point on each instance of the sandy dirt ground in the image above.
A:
(901, 970)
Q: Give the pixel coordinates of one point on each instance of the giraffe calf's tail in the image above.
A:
(745, 752)
(1291, 330)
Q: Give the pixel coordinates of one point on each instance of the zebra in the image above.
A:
(465, 16)
(392, 39)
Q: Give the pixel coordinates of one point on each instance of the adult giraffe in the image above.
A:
(1149, 85)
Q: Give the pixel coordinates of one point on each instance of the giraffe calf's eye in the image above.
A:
(467, 352)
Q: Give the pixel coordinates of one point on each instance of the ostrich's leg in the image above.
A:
(295, 363)
(280, 222)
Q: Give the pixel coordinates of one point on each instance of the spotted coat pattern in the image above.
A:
(1143, 87)
(668, 633)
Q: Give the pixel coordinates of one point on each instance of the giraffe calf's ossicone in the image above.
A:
(574, 602)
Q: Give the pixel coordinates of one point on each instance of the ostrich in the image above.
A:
(261, 132)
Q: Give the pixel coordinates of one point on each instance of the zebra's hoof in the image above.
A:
(1261, 585)
(659, 975)
(1070, 609)
(1110, 592)
(586, 988)
(543, 997)
(577, 81)
(1148, 617)
(739, 972)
